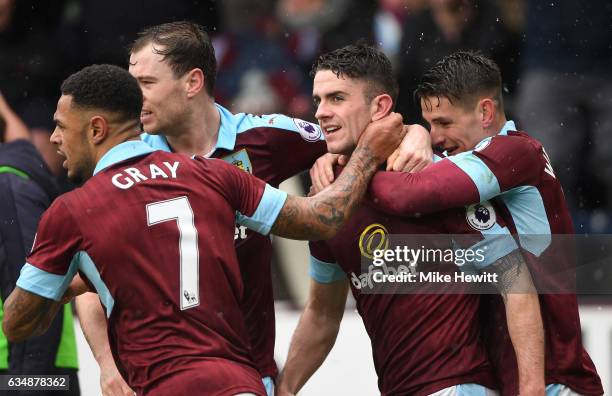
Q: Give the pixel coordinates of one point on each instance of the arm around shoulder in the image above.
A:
(438, 187)
(321, 216)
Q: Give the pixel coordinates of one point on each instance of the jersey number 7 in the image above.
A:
(179, 210)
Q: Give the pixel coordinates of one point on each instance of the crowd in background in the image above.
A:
(555, 56)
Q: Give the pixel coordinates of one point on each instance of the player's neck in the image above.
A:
(199, 133)
(496, 126)
(129, 131)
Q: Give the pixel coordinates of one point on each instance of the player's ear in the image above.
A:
(487, 112)
(98, 129)
(194, 82)
(381, 106)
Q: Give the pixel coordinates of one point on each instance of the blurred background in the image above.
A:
(555, 56)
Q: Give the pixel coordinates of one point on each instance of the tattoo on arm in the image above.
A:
(27, 314)
(523, 320)
(513, 275)
(321, 216)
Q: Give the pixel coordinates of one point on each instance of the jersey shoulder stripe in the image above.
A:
(485, 180)
(242, 122)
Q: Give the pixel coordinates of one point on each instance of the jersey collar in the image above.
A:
(228, 125)
(508, 126)
(122, 152)
(227, 129)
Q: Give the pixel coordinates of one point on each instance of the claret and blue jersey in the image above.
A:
(421, 343)
(274, 148)
(511, 171)
(152, 232)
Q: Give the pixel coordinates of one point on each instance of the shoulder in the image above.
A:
(216, 170)
(513, 145)
(214, 165)
(515, 158)
(60, 213)
(504, 153)
(243, 123)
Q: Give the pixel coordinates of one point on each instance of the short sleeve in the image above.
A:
(496, 243)
(295, 147)
(52, 263)
(267, 211)
(258, 203)
(323, 267)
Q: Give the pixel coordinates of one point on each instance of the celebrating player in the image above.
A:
(461, 99)
(175, 323)
(175, 66)
(422, 343)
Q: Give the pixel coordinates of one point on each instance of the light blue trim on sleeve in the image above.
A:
(268, 383)
(559, 389)
(472, 390)
(87, 266)
(54, 286)
(528, 212)
(233, 124)
(267, 211)
(323, 272)
(497, 243)
(479, 172)
(46, 284)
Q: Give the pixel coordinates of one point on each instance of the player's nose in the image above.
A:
(54, 138)
(322, 112)
(437, 139)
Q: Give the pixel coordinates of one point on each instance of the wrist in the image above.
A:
(283, 384)
(532, 388)
(105, 358)
(368, 158)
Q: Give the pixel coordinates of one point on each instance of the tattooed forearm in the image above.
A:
(27, 315)
(513, 275)
(321, 216)
(523, 319)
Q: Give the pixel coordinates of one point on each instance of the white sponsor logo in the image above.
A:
(309, 131)
(367, 279)
(240, 232)
(481, 216)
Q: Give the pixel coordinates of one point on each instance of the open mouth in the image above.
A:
(330, 129)
(144, 115)
(452, 150)
(65, 163)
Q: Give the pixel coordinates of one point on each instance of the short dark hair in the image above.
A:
(105, 87)
(462, 77)
(362, 62)
(185, 46)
